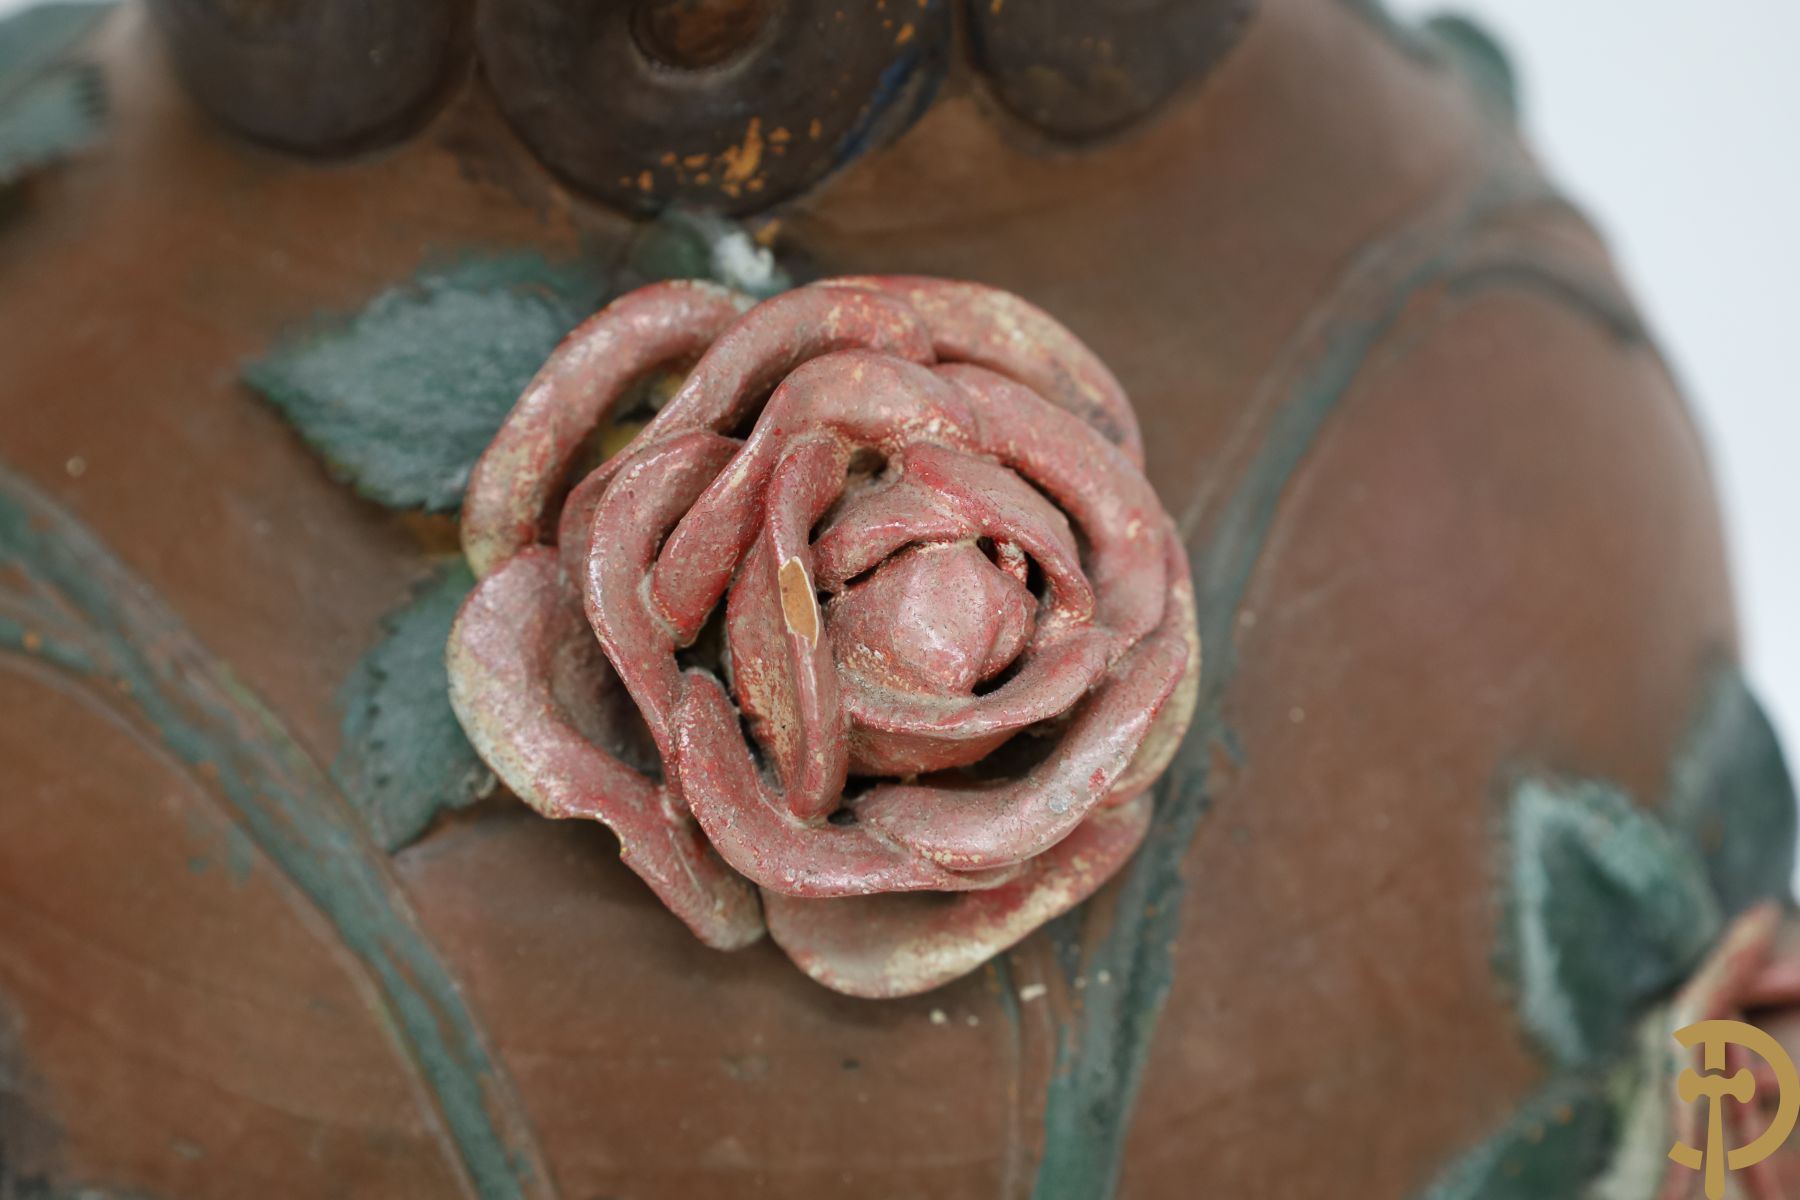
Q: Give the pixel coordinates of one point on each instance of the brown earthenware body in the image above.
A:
(1445, 508)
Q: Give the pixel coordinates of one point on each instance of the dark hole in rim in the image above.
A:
(699, 35)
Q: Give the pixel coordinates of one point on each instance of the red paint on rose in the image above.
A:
(936, 632)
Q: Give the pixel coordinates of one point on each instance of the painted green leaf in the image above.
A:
(1731, 796)
(50, 104)
(1559, 1139)
(402, 398)
(1603, 1134)
(1454, 40)
(1608, 909)
(404, 757)
(1482, 59)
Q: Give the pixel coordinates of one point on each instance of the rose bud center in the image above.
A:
(936, 619)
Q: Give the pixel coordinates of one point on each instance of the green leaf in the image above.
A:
(1731, 796)
(402, 398)
(404, 756)
(1482, 58)
(1601, 1133)
(1452, 40)
(1608, 910)
(49, 104)
(1560, 1138)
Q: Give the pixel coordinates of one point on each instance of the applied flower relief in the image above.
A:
(873, 637)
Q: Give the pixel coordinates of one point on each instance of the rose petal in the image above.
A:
(575, 528)
(880, 947)
(982, 325)
(948, 495)
(519, 475)
(501, 662)
(1171, 724)
(983, 825)
(733, 371)
(775, 338)
(1106, 495)
(785, 677)
(646, 497)
(861, 398)
(719, 781)
(892, 728)
(935, 620)
(877, 522)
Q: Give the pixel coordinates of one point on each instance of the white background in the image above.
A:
(1676, 123)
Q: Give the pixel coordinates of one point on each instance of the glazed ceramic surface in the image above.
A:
(1471, 790)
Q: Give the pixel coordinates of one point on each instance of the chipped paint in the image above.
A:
(799, 607)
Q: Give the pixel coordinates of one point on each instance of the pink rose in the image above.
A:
(874, 636)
